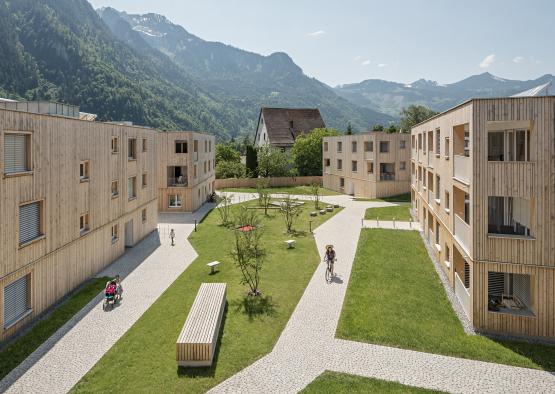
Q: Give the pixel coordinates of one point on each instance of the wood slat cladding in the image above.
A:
(198, 188)
(533, 180)
(360, 181)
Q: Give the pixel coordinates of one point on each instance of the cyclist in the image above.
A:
(329, 258)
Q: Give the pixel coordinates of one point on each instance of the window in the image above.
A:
(369, 146)
(84, 223)
(84, 171)
(132, 188)
(144, 144)
(447, 147)
(17, 156)
(420, 141)
(438, 184)
(413, 141)
(17, 300)
(447, 255)
(387, 171)
(509, 293)
(384, 146)
(438, 139)
(341, 182)
(209, 146)
(195, 146)
(354, 166)
(402, 165)
(327, 162)
(509, 145)
(402, 144)
(509, 215)
(30, 222)
(208, 165)
(437, 233)
(466, 275)
(144, 180)
(339, 146)
(205, 167)
(115, 233)
(180, 146)
(424, 142)
(290, 124)
(143, 215)
(114, 144)
(353, 146)
(195, 171)
(325, 146)
(132, 149)
(174, 200)
(370, 167)
(115, 189)
(339, 164)
(447, 202)
(205, 146)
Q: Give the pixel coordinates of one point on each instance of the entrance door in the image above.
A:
(129, 234)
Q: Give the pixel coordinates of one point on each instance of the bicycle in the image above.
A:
(329, 270)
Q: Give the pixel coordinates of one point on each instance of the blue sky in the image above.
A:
(352, 40)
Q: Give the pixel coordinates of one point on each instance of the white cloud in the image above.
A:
(488, 61)
(366, 62)
(357, 58)
(518, 59)
(382, 65)
(317, 33)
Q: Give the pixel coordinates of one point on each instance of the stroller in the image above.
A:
(111, 296)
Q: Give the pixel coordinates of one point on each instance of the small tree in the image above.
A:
(349, 129)
(248, 252)
(290, 209)
(377, 127)
(230, 169)
(315, 189)
(261, 185)
(392, 129)
(414, 114)
(307, 151)
(224, 208)
(273, 162)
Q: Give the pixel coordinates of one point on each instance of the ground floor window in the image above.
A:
(17, 300)
(341, 182)
(174, 201)
(509, 293)
(115, 233)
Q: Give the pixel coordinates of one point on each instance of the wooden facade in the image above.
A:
(468, 175)
(359, 165)
(199, 165)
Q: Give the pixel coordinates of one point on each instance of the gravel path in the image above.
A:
(148, 270)
(307, 346)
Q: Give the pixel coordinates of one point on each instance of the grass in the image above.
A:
(398, 198)
(143, 360)
(398, 212)
(18, 350)
(395, 298)
(300, 190)
(337, 383)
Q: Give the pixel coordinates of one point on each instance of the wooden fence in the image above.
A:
(273, 182)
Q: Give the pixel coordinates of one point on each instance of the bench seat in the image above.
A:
(196, 344)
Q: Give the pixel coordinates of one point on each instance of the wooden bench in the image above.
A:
(212, 265)
(290, 243)
(329, 208)
(196, 344)
(322, 211)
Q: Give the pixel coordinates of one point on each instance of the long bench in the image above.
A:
(196, 344)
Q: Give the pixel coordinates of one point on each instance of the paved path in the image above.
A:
(307, 346)
(148, 270)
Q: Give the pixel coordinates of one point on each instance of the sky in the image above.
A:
(350, 41)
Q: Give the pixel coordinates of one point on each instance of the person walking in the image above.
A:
(172, 236)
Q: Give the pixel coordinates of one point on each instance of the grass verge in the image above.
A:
(334, 383)
(18, 350)
(395, 298)
(300, 190)
(398, 212)
(398, 198)
(143, 360)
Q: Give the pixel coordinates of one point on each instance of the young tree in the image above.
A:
(349, 129)
(261, 186)
(315, 189)
(377, 127)
(414, 114)
(248, 252)
(230, 169)
(290, 209)
(392, 129)
(307, 151)
(224, 208)
(273, 162)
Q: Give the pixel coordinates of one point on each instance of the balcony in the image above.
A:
(462, 233)
(461, 170)
(177, 182)
(177, 176)
(462, 294)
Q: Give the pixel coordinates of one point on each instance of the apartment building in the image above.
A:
(483, 189)
(186, 170)
(374, 164)
(73, 195)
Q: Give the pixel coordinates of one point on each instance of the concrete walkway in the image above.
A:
(148, 270)
(307, 346)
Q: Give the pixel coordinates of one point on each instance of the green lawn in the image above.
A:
(396, 298)
(300, 190)
(398, 212)
(18, 350)
(337, 383)
(398, 198)
(143, 360)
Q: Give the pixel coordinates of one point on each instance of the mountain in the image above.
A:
(61, 50)
(243, 80)
(390, 97)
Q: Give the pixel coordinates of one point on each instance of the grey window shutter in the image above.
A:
(15, 153)
(15, 301)
(29, 222)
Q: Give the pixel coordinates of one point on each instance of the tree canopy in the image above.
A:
(227, 152)
(414, 114)
(273, 162)
(307, 151)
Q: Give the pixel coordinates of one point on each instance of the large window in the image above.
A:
(180, 146)
(509, 293)
(387, 171)
(132, 188)
(16, 153)
(509, 145)
(369, 146)
(17, 300)
(384, 146)
(508, 215)
(30, 218)
(174, 201)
